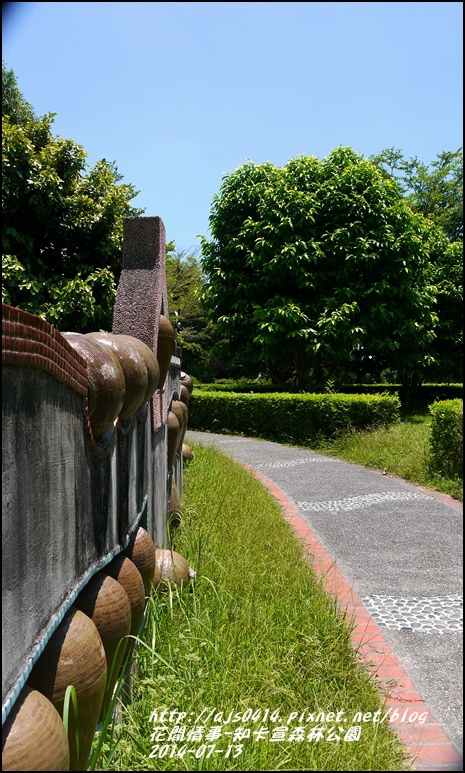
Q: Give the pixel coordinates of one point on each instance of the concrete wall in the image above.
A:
(69, 504)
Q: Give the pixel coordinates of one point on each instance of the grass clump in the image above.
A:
(257, 634)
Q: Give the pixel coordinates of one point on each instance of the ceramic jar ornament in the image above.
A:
(176, 409)
(174, 432)
(187, 386)
(34, 736)
(133, 367)
(122, 569)
(106, 384)
(74, 655)
(106, 602)
(141, 551)
(185, 412)
(151, 363)
(187, 382)
(174, 510)
(171, 567)
(165, 347)
(181, 413)
(187, 454)
(184, 395)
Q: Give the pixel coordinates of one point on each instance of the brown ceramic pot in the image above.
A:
(75, 656)
(170, 567)
(141, 551)
(185, 412)
(133, 367)
(165, 347)
(105, 378)
(187, 382)
(174, 510)
(33, 736)
(180, 411)
(151, 363)
(174, 431)
(184, 395)
(187, 454)
(106, 602)
(122, 569)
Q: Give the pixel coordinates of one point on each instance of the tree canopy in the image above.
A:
(62, 223)
(13, 103)
(324, 270)
(435, 192)
(184, 284)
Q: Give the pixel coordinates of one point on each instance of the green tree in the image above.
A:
(62, 224)
(323, 269)
(446, 269)
(194, 332)
(13, 103)
(435, 192)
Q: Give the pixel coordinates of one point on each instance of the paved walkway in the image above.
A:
(392, 553)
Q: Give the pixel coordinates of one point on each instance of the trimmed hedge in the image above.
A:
(446, 440)
(294, 418)
(253, 387)
(427, 392)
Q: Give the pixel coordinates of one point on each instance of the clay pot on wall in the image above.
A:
(151, 363)
(33, 736)
(182, 414)
(106, 381)
(133, 367)
(184, 395)
(187, 382)
(187, 386)
(75, 656)
(174, 510)
(185, 411)
(141, 551)
(171, 567)
(187, 454)
(122, 569)
(165, 347)
(174, 431)
(176, 409)
(106, 602)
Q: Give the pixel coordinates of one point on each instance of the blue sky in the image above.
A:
(180, 94)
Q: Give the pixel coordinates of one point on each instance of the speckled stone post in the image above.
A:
(142, 295)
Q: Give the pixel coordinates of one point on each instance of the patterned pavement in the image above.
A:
(439, 614)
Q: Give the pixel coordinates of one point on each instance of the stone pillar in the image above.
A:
(140, 299)
(142, 295)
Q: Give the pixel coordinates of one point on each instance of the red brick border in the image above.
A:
(32, 342)
(448, 500)
(427, 743)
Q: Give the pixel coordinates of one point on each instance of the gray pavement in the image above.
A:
(399, 547)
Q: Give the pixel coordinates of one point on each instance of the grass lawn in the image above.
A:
(256, 640)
